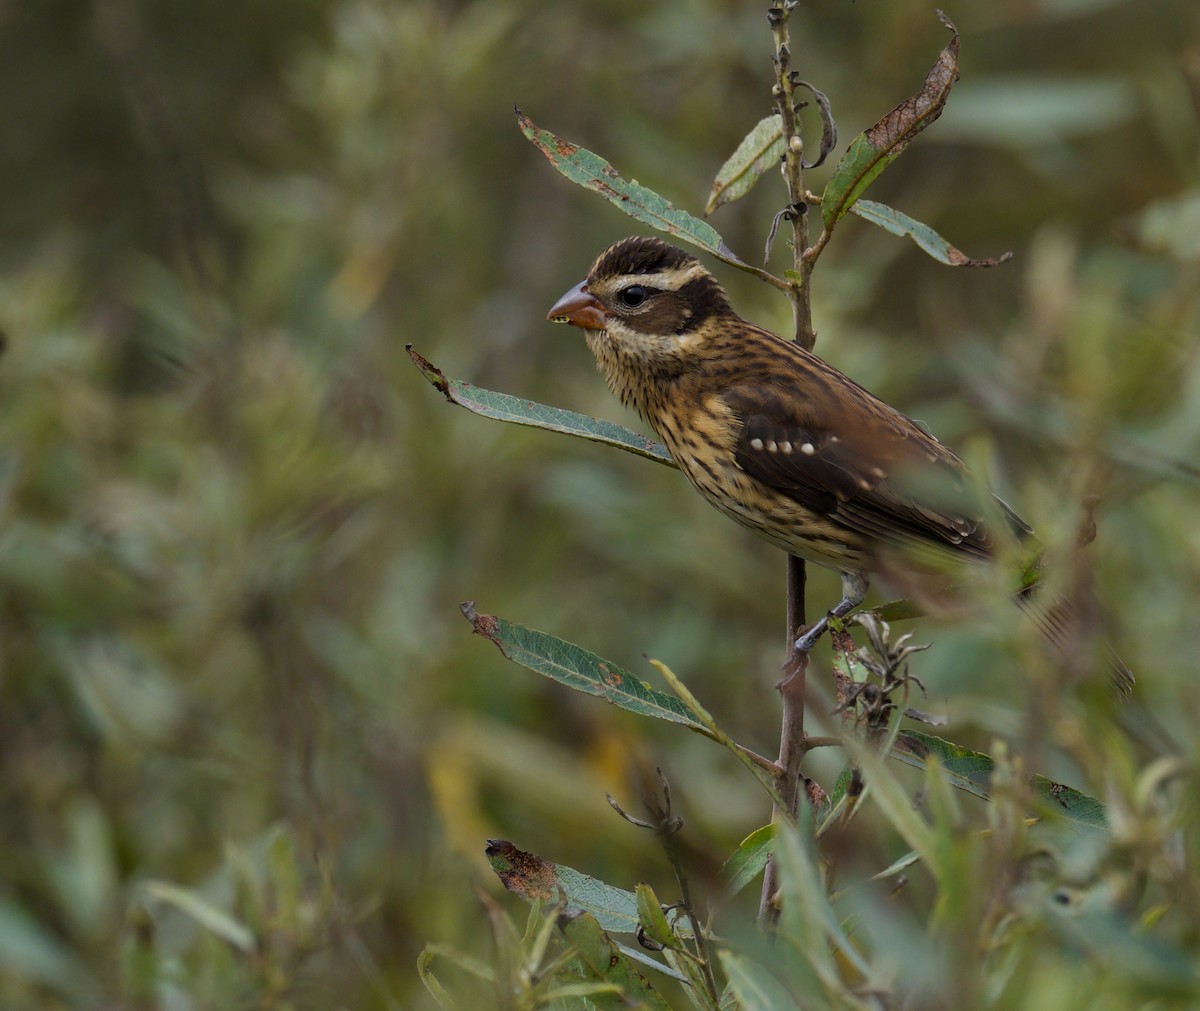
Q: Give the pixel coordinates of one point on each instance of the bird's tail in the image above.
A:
(1063, 626)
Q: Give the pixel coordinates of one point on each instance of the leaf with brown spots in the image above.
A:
(972, 771)
(532, 878)
(874, 149)
(521, 873)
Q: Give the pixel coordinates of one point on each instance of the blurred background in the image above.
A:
(235, 686)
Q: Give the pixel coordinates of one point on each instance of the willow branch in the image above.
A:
(793, 744)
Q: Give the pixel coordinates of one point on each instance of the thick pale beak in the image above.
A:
(579, 308)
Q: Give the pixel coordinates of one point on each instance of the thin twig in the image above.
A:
(793, 744)
(671, 846)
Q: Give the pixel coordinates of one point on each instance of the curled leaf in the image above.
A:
(828, 126)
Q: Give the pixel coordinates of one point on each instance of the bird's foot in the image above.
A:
(810, 637)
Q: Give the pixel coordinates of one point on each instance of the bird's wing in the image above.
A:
(814, 435)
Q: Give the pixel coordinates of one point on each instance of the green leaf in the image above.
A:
(827, 815)
(898, 865)
(874, 149)
(747, 861)
(1071, 804)
(972, 771)
(592, 172)
(607, 961)
(431, 982)
(893, 800)
(753, 985)
(753, 763)
(808, 916)
(519, 411)
(197, 907)
(898, 223)
(31, 950)
(534, 879)
(760, 150)
(968, 770)
(652, 919)
(903, 609)
(579, 668)
(643, 958)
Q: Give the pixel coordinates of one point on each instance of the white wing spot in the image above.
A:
(864, 485)
(786, 447)
(771, 446)
(756, 444)
(834, 438)
(808, 448)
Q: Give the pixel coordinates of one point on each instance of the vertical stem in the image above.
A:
(793, 173)
(793, 743)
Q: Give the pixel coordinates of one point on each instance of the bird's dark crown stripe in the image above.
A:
(639, 255)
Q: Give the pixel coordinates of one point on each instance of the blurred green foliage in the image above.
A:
(249, 751)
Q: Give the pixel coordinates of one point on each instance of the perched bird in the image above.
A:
(776, 438)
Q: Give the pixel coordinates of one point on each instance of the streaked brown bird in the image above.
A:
(776, 438)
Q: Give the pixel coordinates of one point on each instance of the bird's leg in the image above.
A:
(854, 590)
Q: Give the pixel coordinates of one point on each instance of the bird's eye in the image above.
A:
(633, 296)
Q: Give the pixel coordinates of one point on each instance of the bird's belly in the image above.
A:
(776, 517)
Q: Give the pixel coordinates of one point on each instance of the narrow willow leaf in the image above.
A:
(643, 958)
(207, 915)
(435, 988)
(1071, 804)
(896, 866)
(579, 668)
(873, 150)
(903, 609)
(971, 771)
(608, 963)
(828, 814)
(760, 150)
(533, 878)
(592, 172)
(894, 801)
(753, 985)
(807, 911)
(747, 861)
(968, 770)
(519, 411)
(899, 223)
(698, 712)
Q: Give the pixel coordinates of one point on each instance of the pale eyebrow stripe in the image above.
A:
(674, 277)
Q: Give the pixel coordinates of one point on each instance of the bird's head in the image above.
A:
(646, 298)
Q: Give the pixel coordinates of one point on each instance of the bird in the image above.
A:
(780, 440)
